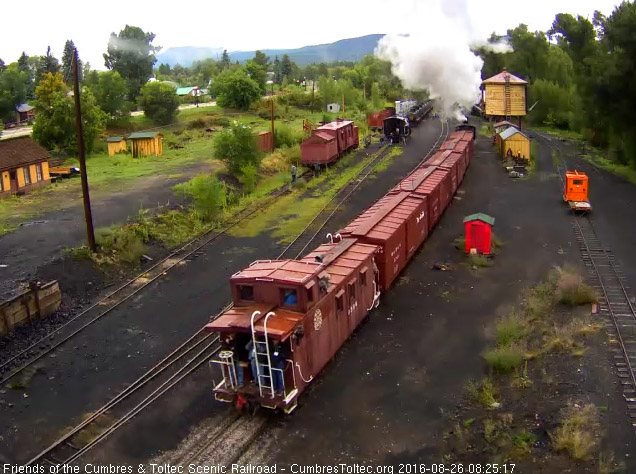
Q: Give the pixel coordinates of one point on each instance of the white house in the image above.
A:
(335, 108)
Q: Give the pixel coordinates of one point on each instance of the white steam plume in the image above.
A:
(436, 54)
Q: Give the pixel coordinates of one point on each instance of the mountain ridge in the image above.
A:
(349, 49)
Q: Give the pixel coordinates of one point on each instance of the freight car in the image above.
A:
(329, 142)
(376, 121)
(290, 317)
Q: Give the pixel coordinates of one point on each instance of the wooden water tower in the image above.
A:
(504, 97)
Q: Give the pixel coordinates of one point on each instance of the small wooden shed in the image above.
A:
(514, 144)
(502, 126)
(146, 143)
(116, 145)
(478, 230)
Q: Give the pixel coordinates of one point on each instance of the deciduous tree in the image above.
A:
(159, 102)
(54, 126)
(111, 95)
(237, 147)
(131, 54)
(235, 89)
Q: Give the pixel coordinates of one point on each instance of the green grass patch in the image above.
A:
(624, 171)
(504, 359)
(480, 261)
(558, 133)
(484, 393)
(289, 215)
(510, 329)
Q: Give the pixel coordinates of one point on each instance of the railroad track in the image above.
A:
(298, 247)
(615, 302)
(183, 361)
(130, 288)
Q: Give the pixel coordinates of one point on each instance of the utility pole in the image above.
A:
(344, 109)
(90, 233)
(272, 117)
(313, 89)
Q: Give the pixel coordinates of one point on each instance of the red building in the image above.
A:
(478, 229)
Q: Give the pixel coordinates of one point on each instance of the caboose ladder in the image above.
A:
(263, 359)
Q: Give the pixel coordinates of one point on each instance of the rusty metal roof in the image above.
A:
(318, 137)
(412, 181)
(335, 125)
(280, 324)
(504, 77)
(284, 271)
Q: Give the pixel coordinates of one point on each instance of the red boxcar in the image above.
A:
(457, 163)
(376, 121)
(319, 148)
(397, 224)
(264, 141)
(289, 319)
(342, 131)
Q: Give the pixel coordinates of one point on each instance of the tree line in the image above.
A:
(580, 74)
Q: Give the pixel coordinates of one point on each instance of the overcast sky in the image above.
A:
(250, 24)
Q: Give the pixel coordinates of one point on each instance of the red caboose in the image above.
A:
(478, 229)
(289, 317)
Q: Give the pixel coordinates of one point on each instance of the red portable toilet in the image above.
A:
(478, 228)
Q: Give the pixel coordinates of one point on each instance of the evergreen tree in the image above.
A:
(67, 63)
(50, 62)
(276, 68)
(261, 58)
(286, 67)
(2, 65)
(25, 66)
(225, 60)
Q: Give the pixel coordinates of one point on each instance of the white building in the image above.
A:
(335, 108)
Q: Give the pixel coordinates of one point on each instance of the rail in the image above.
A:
(129, 289)
(615, 301)
(159, 379)
(298, 246)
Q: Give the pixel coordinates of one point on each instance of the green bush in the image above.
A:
(208, 194)
(248, 177)
(159, 102)
(509, 330)
(237, 147)
(126, 244)
(504, 359)
(286, 136)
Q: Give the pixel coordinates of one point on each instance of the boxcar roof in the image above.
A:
(284, 271)
(335, 125)
(412, 181)
(318, 137)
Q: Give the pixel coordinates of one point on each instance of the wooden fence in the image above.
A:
(35, 303)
